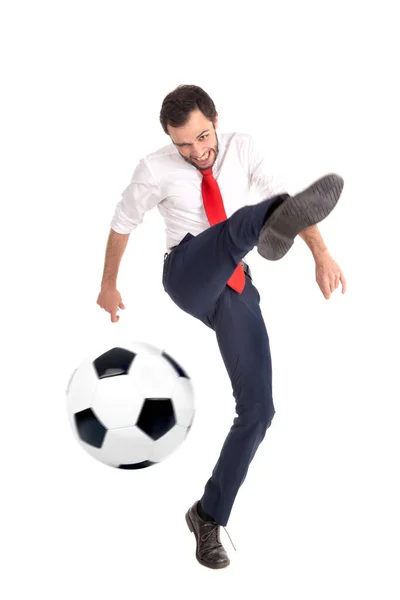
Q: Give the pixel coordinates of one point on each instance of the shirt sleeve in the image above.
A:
(141, 195)
(263, 177)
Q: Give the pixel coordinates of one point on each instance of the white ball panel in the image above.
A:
(168, 443)
(82, 387)
(99, 454)
(118, 402)
(127, 445)
(183, 401)
(153, 376)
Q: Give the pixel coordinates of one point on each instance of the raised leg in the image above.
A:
(196, 272)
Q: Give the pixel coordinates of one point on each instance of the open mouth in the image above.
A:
(204, 159)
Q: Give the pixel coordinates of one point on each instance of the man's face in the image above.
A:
(196, 140)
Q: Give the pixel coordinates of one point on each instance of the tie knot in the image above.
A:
(206, 172)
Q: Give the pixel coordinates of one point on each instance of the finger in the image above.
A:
(332, 286)
(114, 317)
(327, 291)
(324, 286)
(337, 279)
(344, 283)
(121, 305)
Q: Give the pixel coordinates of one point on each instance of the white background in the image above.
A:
(82, 86)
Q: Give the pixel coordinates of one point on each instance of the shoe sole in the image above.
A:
(202, 562)
(303, 210)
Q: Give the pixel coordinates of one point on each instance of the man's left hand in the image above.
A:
(328, 275)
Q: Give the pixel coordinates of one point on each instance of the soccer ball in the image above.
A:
(130, 406)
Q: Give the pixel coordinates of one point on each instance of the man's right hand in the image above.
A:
(110, 299)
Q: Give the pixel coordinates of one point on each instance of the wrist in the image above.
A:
(108, 284)
(320, 253)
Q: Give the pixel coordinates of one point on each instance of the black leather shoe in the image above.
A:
(209, 550)
(295, 213)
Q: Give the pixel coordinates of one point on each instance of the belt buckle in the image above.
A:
(246, 269)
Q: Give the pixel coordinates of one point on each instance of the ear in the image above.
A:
(216, 121)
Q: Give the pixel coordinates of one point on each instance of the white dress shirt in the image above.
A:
(164, 179)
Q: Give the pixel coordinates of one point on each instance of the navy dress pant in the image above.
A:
(194, 275)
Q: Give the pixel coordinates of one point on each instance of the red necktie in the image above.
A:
(215, 211)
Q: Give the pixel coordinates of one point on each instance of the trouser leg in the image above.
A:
(196, 272)
(244, 344)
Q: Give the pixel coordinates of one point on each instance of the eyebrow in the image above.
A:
(187, 143)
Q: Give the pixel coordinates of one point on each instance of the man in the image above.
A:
(199, 183)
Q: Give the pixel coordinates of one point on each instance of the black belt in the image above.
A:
(245, 266)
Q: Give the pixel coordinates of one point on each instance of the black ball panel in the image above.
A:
(116, 361)
(141, 465)
(90, 429)
(175, 365)
(157, 417)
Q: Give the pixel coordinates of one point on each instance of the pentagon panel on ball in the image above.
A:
(130, 406)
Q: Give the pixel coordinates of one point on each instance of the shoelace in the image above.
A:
(214, 529)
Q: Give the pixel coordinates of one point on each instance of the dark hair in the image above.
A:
(179, 103)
